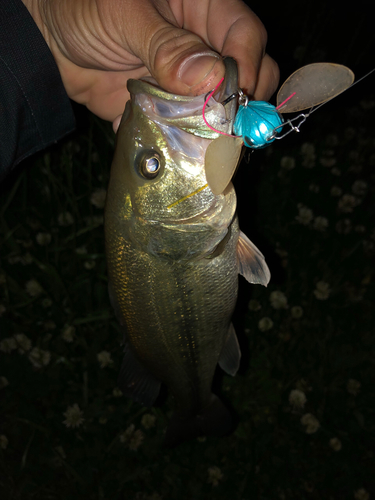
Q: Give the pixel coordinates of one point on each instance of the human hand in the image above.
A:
(99, 44)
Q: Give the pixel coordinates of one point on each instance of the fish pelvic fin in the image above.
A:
(214, 420)
(230, 355)
(251, 263)
(136, 382)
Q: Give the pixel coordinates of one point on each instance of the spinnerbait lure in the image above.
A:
(258, 123)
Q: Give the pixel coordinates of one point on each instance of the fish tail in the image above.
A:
(214, 420)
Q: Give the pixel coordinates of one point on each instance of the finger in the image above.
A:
(182, 64)
(268, 79)
(246, 41)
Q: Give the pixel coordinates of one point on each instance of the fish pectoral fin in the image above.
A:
(230, 355)
(251, 263)
(136, 381)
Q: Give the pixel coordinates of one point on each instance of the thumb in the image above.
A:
(182, 64)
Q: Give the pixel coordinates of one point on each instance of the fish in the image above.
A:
(174, 251)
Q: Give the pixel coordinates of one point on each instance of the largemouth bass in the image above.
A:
(174, 251)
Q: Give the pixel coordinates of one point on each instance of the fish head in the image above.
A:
(158, 172)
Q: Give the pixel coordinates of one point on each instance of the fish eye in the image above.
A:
(150, 164)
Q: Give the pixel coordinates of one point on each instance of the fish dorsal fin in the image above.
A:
(135, 381)
(230, 355)
(251, 263)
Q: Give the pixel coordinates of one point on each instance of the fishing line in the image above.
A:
(259, 123)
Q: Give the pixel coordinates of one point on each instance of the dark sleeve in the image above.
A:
(35, 110)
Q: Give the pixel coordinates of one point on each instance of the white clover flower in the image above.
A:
(278, 300)
(305, 215)
(3, 382)
(73, 416)
(8, 344)
(33, 288)
(283, 254)
(320, 223)
(310, 423)
(287, 163)
(49, 324)
(117, 393)
(347, 203)
(39, 357)
(336, 191)
(81, 250)
(136, 440)
(367, 104)
(95, 220)
(65, 219)
(43, 239)
(344, 226)
(46, 302)
(361, 494)
(322, 290)
(265, 324)
(89, 264)
(148, 421)
(314, 188)
(254, 305)
(308, 149)
(125, 436)
(214, 475)
(356, 169)
(360, 187)
(26, 259)
(353, 386)
(23, 343)
(3, 442)
(98, 197)
(332, 140)
(297, 398)
(104, 358)
(327, 162)
(308, 153)
(68, 333)
(296, 312)
(368, 246)
(132, 437)
(335, 444)
(154, 496)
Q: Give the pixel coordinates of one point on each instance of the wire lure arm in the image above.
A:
(293, 128)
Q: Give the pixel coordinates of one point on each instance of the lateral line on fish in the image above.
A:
(187, 196)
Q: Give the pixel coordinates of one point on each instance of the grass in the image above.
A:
(319, 339)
